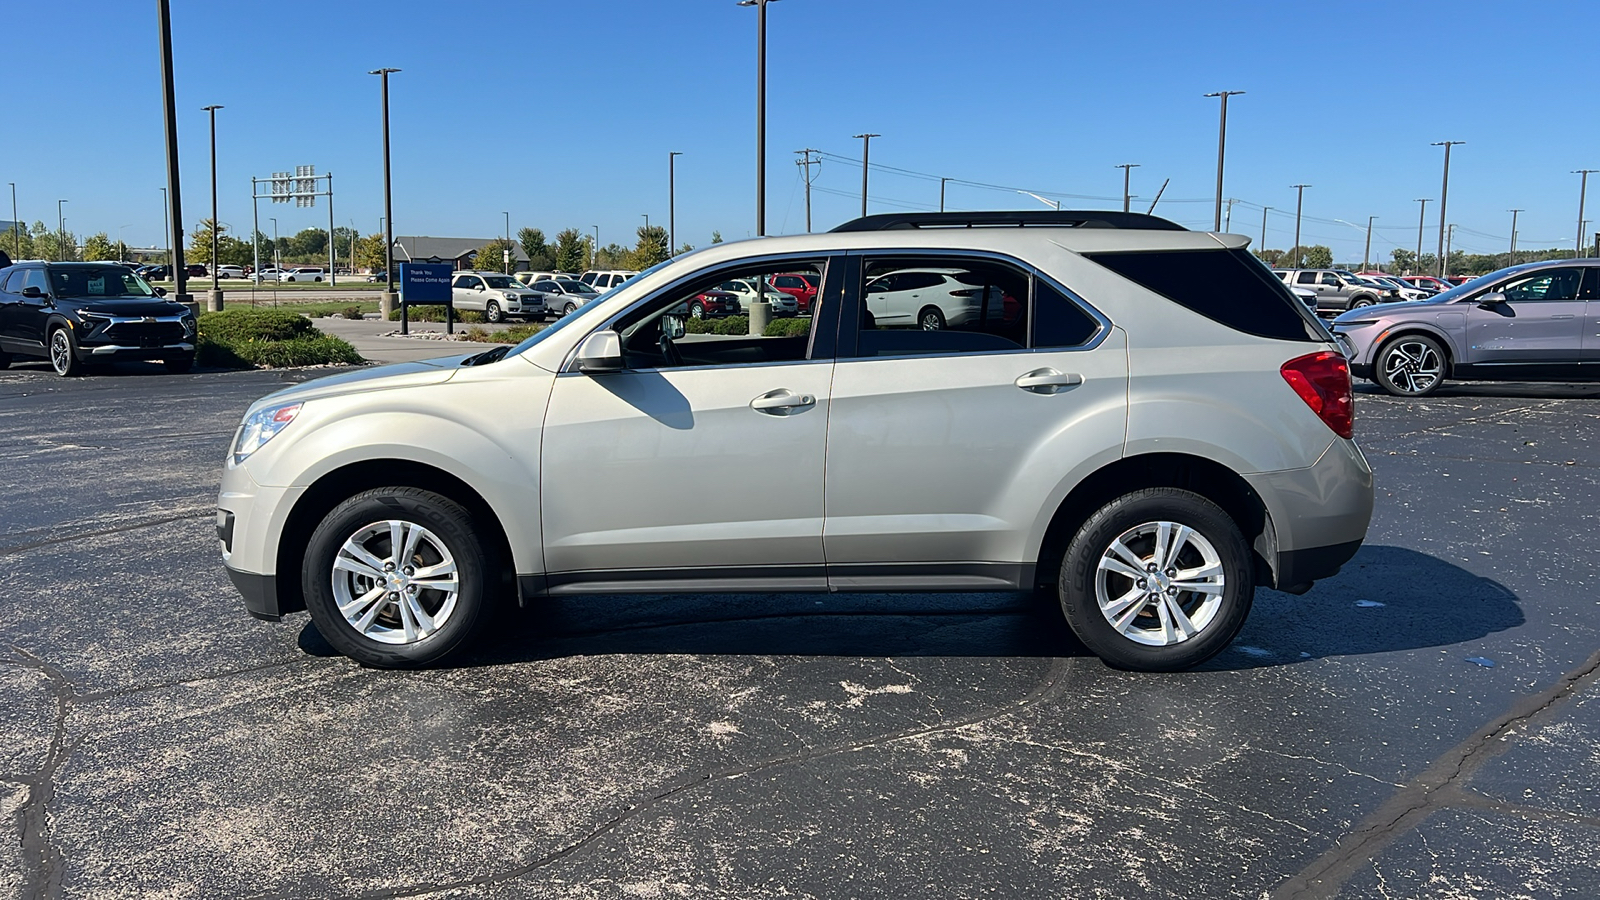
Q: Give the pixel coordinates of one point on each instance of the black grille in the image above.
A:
(144, 334)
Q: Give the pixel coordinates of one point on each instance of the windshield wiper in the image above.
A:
(487, 356)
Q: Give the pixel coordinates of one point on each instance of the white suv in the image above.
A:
(496, 295)
(603, 281)
(304, 273)
(1150, 429)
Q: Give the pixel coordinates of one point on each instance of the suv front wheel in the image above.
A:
(396, 577)
(1157, 580)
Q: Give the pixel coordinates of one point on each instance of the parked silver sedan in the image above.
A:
(563, 295)
(1524, 323)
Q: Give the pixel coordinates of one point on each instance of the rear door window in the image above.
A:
(1227, 286)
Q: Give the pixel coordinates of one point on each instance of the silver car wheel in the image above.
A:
(1413, 366)
(60, 351)
(395, 582)
(1160, 583)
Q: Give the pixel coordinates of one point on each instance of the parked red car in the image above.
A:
(802, 286)
(710, 305)
(1427, 281)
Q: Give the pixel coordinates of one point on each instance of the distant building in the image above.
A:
(459, 252)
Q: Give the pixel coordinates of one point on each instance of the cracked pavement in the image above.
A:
(157, 742)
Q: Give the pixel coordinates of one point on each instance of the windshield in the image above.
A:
(1482, 281)
(96, 282)
(502, 281)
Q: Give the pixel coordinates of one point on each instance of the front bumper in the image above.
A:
(250, 523)
(102, 352)
(260, 594)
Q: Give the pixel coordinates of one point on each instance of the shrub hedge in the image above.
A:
(243, 338)
(740, 325)
(515, 334)
(436, 314)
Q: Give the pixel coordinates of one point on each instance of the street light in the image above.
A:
(1422, 216)
(16, 225)
(1263, 247)
(388, 200)
(1299, 204)
(506, 250)
(214, 302)
(761, 113)
(594, 253)
(1127, 170)
(866, 150)
(122, 248)
(1511, 259)
(61, 229)
(169, 109)
(672, 201)
(1444, 197)
(1583, 189)
(1222, 146)
(1367, 252)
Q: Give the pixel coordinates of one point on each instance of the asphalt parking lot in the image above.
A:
(1425, 724)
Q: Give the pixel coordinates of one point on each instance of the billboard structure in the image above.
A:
(299, 188)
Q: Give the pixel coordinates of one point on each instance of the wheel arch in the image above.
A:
(338, 485)
(1208, 478)
(1411, 329)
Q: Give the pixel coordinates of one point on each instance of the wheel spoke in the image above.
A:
(1168, 636)
(1199, 587)
(365, 622)
(1111, 564)
(1128, 616)
(362, 603)
(345, 563)
(420, 616)
(1120, 605)
(362, 554)
(413, 537)
(1128, 556)
(408, 621)
(1179, 618)
(1163, 544)
(427, 573)
(1204, 572)
(1180, 538)
(397, 539)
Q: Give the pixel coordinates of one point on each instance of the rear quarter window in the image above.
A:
(1231, 287)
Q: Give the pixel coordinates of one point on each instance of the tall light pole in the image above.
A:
(1444, 198)
(761, 113)
(387, 302)
(1422, 216)
(646, 219)
(1367, 253)
(594, 262)
(1299, 204)
(166, 228)
(122, 248)
(1449, 240)
(1264, 228)
(866, 150)
(174, 195)
(941, 196)
(672, 201)
(1583, 190)
(61, 229)
(1222, 146)
(1511, 260)
(1127, 170)
(214, 301)
(16, 225)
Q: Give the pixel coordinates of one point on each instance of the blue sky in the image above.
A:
(563, 113)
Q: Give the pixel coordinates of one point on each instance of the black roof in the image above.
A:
(1045, 218)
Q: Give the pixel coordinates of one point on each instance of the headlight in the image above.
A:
(262, 426)
(91, 319)
(188, 326)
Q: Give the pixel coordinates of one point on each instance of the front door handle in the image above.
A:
(1048, 381)
(781, 402)
(1567, 316)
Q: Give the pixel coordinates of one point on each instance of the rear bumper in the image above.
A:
(1319, 514)
(1301, 567)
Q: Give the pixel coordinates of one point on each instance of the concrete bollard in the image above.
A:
(386, 302)
(760, 316)
(213, 301)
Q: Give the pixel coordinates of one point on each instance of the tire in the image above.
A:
(1411, 365)
(386, 632)
(569, 309)
(930, 319)
(63, 349)
(1359, 302)
(1093, 592)
(697, 311)
(178, 365)
(5, 361)
(491, 311)
(317, 279)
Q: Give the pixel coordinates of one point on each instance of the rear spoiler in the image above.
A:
(4, 259)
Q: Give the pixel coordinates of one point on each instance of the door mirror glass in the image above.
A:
(600, 352)
(673, 327)
(32, 292)
(160, 292)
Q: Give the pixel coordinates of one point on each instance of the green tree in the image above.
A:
(51, 244)
(613, 256)
(1317, 257)
(18, 243)
(541, 256)
(491, 256)
(311, 244)
(99, 247)
(571, 249)
(652, 247)
(369, 252)
(1273, 257)
(200, 243)
(716, 237)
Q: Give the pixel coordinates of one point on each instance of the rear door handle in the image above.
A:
(1048, 381)
(781, 402)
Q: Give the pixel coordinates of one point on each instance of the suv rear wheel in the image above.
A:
(396, 578)
(1411, 365)
(1157, 580)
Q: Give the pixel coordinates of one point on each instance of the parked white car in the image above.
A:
(496, 295)
(933, 299)
(748, 293)
(305, 273)
(270, 274)
(605, 280)
(230, 271)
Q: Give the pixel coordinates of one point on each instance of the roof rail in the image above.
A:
(1044, 218)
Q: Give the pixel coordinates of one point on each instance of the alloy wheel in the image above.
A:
(60, 351)
(1160, 583)
(1413, 366)
(395, 582)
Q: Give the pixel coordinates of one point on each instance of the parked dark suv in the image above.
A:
(76, 313)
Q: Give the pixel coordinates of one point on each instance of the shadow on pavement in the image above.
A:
(1513, 390)
(1387, 599)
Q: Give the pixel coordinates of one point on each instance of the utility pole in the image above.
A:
(1263, 247)
(1227, 218)
(1450, 239)
(1299, 204)
(214, 299)
(672, 202)
(506, 250)
(1583, 190)
(941, 193)
(174, 195)
(1222, 146)
(1444, 198)
(866, 149)
(1366, 254)
(761, 113)
(16, 226)
(61, 229)
(594, 256)
(386, 303)
(1511, 259)
(806, 161)
(1422, 215)
(1127, 170)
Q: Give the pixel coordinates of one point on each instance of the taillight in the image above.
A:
(1323, 381)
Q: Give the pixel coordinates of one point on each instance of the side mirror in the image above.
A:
(673, 327)
(1491, 300)
(160, 292)
(600, 353)
(32, 292)
(477, 287)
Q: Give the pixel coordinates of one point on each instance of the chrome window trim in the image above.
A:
(1072, 296)
(571, 362)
